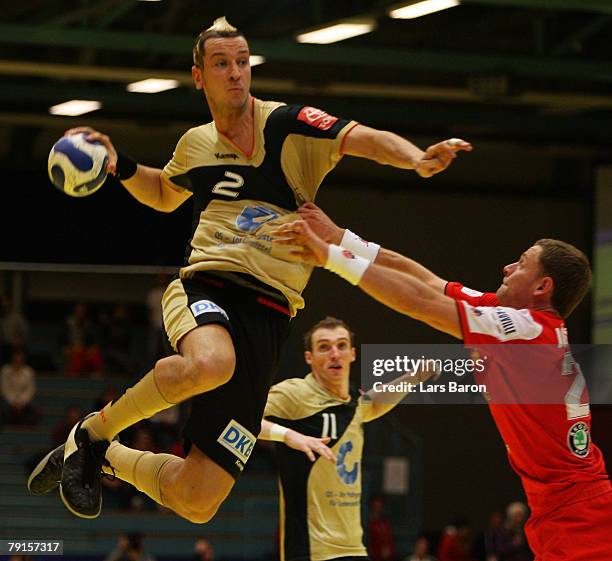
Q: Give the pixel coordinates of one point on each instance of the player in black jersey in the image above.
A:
(228, 313)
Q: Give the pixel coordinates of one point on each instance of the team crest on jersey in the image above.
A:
(348, 476)
(254, 217)
(238, 441)
(579, 439)
(316, 118)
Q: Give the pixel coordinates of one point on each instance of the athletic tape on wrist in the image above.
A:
(126, 166)
(277, 433)
(359, 246)
(346, 264)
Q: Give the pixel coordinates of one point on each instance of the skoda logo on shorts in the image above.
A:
(579, 439)
(254, 217)
(349, 477)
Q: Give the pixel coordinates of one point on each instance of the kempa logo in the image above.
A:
(579, 439)
(220, 156)
(206, 307)
(237, 440)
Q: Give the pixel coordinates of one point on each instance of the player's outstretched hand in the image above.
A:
(439, 156)
(313, 249)
(310, 445)
(94, 135)
(321, 224)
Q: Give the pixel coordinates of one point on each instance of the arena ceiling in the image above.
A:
(537, 70)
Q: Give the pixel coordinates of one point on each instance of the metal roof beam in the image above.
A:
(289, 51)
(598, 6)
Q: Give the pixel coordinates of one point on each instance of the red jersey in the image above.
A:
(548, 441)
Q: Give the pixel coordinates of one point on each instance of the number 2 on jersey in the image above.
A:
(575, 406)
(329, 426)
(226, 187)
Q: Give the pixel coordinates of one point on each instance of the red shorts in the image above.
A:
(580, 531)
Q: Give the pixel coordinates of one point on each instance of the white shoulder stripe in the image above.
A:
(505, 324)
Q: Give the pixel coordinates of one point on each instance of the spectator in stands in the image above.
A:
(486, 545)
(421, 551)
(513, 545)
(14, 329)
(81, 346)
(72, 416)
(455, 542)
(381, 545)
(116, 341)
(130, 547)
(203, 550)
(18, 387)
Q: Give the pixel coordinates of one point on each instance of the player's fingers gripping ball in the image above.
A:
(77, 166)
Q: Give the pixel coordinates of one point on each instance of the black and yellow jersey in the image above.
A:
(320, 501)
(239, 198)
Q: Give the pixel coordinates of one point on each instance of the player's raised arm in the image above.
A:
(397, 290)
(325, 228)
(388, 148)
(381, 402)
(144, 183)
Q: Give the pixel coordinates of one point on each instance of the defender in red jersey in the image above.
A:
(548, 440)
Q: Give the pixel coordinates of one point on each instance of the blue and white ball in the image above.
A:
(77, 166)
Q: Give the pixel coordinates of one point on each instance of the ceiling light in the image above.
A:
(152, 85)
(75, 107)
(337, 32)
(254, 60)
(419, 9)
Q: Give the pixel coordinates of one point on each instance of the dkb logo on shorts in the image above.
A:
(237, 440)
(349, 477)
(206, 307)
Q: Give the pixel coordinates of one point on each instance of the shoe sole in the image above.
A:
(69, 449)
(39, 467)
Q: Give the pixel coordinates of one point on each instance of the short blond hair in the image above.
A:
(220, 28)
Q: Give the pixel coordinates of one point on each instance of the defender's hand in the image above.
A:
(321, 224)
(314, 250)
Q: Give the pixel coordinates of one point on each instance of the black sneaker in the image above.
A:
(80, 487)
(47, 474)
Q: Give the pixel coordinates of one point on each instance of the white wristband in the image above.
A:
(277, 433)
(359, 246)
(349, 266)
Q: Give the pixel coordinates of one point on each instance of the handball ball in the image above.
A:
(77, 166)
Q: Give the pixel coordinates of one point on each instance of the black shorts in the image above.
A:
(224, 422)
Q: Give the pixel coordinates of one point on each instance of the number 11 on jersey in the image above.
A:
(329, 426)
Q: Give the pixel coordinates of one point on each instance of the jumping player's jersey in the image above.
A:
(537, 397)
(239, 198)
(320, 501)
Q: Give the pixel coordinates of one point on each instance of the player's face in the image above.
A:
(331, 356)
(226, 73)
(523, 280)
